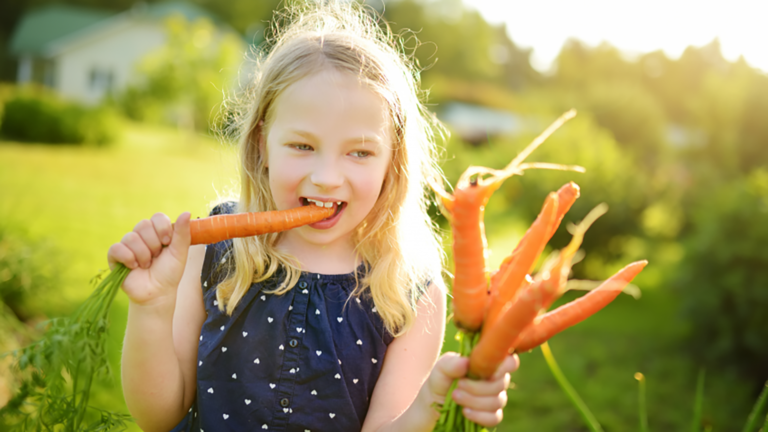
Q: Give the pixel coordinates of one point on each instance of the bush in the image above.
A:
(723, 282)
(47, 119)
(28, 270)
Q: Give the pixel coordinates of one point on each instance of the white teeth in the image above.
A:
(328, 204)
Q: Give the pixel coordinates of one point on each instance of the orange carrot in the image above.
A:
(214, 229)
(508, 281)
(515, 316)
(566, 196)
(470, 284)
(465, 211)
(578, 310)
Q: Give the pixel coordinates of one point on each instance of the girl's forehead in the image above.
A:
(333, 101)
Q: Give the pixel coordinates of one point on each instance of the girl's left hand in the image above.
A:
(482, 400)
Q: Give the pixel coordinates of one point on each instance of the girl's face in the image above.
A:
(330, 140)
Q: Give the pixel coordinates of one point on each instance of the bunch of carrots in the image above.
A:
(503, 312)
(57, 371)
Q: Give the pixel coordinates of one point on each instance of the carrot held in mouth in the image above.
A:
(217, 228)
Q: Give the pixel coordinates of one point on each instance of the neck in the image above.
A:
(334, 258)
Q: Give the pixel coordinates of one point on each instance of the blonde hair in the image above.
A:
(397, 240)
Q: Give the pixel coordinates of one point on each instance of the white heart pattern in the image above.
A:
(215, 303)
(263, 298)
(281, 347)
(359, 342)
(339, 319)
(355, 380)
(304, 292)
(234, 376)
(257, 361)
(290, 307)
(318, 352)
(331, 415)
(245, 334)
(337, 376)
(313, 392)
(285, 410)
(247, 401)
(223, 349)
(264, 426)
(374, 361)
(201, 337)
(271, 385)
(226, 416)
(210, 390)
(293, 370)
(298, 329)
(317, 311)
(200, 363)
(374, 309)
(221, 328)
(270, 319)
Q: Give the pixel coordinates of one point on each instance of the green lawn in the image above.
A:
(84, 199)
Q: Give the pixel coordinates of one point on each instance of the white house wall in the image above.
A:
(118, 49)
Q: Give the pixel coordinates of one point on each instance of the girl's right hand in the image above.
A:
(156, 252)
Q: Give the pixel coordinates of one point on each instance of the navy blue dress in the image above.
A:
(307, 360)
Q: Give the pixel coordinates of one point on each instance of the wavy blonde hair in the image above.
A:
(397, 240)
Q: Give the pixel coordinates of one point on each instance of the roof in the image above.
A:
(41, 28)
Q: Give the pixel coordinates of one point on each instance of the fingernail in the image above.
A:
(166, 240)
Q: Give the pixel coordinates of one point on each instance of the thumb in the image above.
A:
(449, 367)
(181, 236)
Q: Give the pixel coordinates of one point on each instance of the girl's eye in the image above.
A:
(305, 147)
(360, 153)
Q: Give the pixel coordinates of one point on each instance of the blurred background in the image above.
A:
(110, 112)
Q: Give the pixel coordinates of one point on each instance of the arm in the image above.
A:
(410, 384)
(164, 319)
(397, 403)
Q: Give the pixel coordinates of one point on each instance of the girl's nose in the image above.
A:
(326, 174)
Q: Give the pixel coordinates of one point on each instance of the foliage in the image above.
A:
(28, 272)
(184, 81)
(59, 369)
(723, 278)
(45, 118)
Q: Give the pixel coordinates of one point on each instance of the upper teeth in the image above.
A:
(328, 204)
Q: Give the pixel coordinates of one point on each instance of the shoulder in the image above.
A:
(226, 207)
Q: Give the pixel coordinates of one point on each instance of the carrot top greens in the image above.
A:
(58, 370)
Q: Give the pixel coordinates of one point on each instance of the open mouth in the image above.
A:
(338, 205)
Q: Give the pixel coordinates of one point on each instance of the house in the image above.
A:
(477, 124)
(85, 53)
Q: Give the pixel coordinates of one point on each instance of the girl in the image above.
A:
(335, 326)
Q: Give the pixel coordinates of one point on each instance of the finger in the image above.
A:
(163, 228)
(447, 368)
(490, 387)
(119, 253)
(483, 418)
(181, 238)
(509, 365)
(141, 252)
(480, 403)
(146, 229)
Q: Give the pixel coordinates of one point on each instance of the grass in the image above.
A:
(85, 199)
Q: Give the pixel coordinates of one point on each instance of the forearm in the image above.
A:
(153, 384)
(421, 416)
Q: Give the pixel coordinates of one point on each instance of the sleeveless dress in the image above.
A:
(307, 360)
